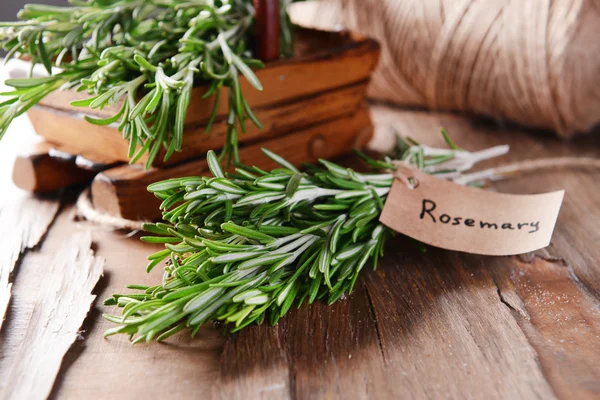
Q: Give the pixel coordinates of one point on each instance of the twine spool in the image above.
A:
(535, 62)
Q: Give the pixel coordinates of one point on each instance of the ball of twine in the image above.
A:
(535, 62)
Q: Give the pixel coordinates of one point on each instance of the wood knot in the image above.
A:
(318, 147)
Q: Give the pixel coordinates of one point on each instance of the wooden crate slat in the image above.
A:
(36, 171)
(121, 191)
(85, 138)
(95, 161)
(283, 81)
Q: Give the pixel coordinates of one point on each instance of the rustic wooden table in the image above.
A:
(435, 325)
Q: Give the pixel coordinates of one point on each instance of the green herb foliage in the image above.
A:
(144, 56)
(246, 246)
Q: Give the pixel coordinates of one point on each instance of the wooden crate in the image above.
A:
(326, 79)
(312, 107)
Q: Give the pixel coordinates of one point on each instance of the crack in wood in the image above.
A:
(376, 323)
(503, 300)
(583, 285)
(515, 305)
(544, 254)
(560, 321)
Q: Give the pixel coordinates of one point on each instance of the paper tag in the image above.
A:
(444, 214)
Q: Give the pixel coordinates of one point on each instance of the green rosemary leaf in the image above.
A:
(293, 184)
(225, 186)
(170, 332)
(331, 207)
(232, 257)
(247, 72)
(280, 160)
(246, 232)
(144, 63)
(160, 255)
(268, 259)
(158, 239)
(42, 54)
(27, 83)
(157, 96)
(251, 115)
(213, 164)
(449, 140)
(149, 56)
(278, 230)
(183, 103)
(215, 110)
(106, 121)
(164, 185)
(315, 227)
(84, 102)
(153, 263)
(227, 53)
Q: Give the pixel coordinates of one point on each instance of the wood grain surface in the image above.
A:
(55, 320)
(24, 220)
(58, 126)
(35, 170)
(23, 223)
(435, 325)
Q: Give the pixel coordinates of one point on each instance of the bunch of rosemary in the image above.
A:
(146, 55)
(248, 245)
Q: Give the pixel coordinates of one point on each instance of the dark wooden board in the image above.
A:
(36, 170)
(434, 325)
(122, 192)
(58, 126)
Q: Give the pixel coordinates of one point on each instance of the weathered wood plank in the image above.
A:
(577, 234)
(36, 171)
(113, 368)
(335, 352)
(318, 351)
(24, 221)
(559, 320)
(444, 331)
(72, 130)
(555, 296)
(61, 306)
(87, 161)
(255, 368)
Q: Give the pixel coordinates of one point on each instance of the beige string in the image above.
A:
(506, 171)
(536, 62)
(86, 208)
(403, 172)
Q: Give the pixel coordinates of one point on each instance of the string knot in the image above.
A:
(404, 172)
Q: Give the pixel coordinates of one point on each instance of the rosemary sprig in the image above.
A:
(145, 56)
(246, 246)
